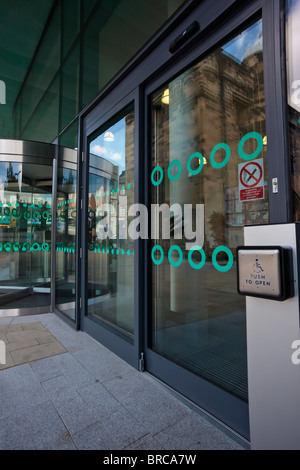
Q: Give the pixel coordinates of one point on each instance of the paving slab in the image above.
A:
(82, 396)
(27, 342)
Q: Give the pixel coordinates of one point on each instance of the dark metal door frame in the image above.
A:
(229, 409)
(221, 19)
(128, 349)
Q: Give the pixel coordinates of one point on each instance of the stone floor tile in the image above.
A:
(99, 400)
(19, 389)
(103, 364)
(65, 365)
(74, 411)
(146, 443)
(36, 428)
(161, 410)
(195, 433)
(94, 437)
(124, 385)
(124, 427)
(34, 353)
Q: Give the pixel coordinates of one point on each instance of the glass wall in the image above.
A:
(66, 215)
(293, 93)
(85, 44)
(210, 179)
(110, 251)
(25, 235)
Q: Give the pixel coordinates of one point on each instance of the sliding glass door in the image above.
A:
(110, 254)
(209, 178)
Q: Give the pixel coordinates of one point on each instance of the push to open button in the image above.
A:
(265, 271)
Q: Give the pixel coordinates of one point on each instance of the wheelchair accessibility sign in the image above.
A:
(251, 180)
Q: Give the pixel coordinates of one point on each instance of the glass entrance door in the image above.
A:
(209, 179)
(109, 309)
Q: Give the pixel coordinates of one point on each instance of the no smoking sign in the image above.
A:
(251, 180)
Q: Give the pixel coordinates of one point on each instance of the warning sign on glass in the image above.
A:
(251, 180)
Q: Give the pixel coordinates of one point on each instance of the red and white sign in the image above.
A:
(251, 180)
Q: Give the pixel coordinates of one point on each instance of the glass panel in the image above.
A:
(69, 98)
(25, 235)
(110, 254)
(105, 50)
(66, 242)
(43, 124)
(293, 92)
(36, 88)
(70, 23)
(22, 25)
(70, 136)
(210, 173)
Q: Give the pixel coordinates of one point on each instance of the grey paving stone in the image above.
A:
(99, 400)
(32, 318)
(195, 433)
(5, 320)
(36, 428)
(124, 427)
(66, 365)
(74, 411)
(123, 385)
(153, 406)
(71, 339)
(146, 443)
(19, 388)
(94, 437)
(103, 364)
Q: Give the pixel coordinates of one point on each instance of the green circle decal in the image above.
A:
(222, 269)
(260, 145)
(159, 169)
(203, 257)
(200, 157)
(178, 249)
(213, 153)
(154, 249)
(171, 177)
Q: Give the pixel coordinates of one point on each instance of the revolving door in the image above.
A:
(27, 237)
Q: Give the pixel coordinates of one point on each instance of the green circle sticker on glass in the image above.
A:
(200, 158)
(159, 170)
(213, 153)
(179, 251)
(45, 247)
(176, 177)
(260, 145)
(16, 214)
(222, 269)
(154, 249)
(36, 247)
(203, 257)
